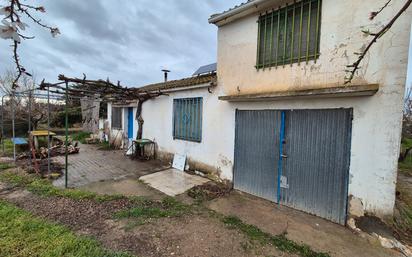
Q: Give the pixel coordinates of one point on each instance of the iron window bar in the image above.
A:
(187, 119)
(295, 26)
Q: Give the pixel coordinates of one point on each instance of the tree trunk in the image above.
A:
(140, 122)
(139, 119)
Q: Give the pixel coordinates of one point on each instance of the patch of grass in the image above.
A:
(402, 221)
(406, 165)
(80, 136)
(146, 210)
(24, 235)
(8, 147)
(6, 166)
(280, 241)
(45, 188)
(106, 146)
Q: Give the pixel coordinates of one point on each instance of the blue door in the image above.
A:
(130, 123)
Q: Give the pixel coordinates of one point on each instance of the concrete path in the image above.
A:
(318, 233)
(92, 165)
(172, 181)
(127, 187)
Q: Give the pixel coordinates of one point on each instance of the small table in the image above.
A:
(34, 135)
(142, 143)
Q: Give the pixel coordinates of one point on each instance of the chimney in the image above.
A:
(165, 72)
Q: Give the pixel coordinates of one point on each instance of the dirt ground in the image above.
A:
(191, 235)
(320, 234)
(200, 234)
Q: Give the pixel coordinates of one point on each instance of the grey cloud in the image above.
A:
(128, 40)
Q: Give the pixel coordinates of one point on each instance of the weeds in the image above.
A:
(146, 210)
(279, 241)
(405, 166)
(24, 235)
(402, 221)
(8, 147)
(106, 146)
(81, 137)
(6, 166)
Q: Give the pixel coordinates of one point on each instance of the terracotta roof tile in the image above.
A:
(181, 83)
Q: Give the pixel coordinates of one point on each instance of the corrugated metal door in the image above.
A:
(316, 168)
(257, 152)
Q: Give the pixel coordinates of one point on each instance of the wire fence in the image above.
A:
(21, 129)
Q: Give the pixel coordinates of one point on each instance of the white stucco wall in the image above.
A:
(120, 135)
(374, 143)
(377, 119)
(217, 129)
(341, 35)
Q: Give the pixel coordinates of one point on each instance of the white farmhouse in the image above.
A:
(277, 119)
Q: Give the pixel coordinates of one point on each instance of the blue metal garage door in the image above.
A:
(257, 152)
(316, 170)
(309, 171)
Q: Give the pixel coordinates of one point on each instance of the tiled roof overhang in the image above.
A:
(181, 84)
(332, 92)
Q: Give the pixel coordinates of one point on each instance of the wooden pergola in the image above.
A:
(105, 90)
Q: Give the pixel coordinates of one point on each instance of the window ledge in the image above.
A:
(332, 92)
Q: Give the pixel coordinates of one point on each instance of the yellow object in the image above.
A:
(40, 133)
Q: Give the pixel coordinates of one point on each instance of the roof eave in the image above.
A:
(333, 92)
(245, 9)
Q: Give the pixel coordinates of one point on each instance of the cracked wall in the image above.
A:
(377, 119)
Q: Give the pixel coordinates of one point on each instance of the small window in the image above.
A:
(290, 34)
(187, 119)
(116, 118)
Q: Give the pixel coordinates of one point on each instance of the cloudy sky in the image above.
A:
(127, 40)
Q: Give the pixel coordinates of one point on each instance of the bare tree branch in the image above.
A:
(106, 90)
(374, 14)
(356, 65)
(14, 25)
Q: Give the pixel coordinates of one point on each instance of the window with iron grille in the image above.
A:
(187, 119)
(290, 34)
(116, 118)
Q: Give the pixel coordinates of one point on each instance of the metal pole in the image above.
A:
(48, 130)
(30, 144)
(2, 123)
(67, 136)
(12, 125)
